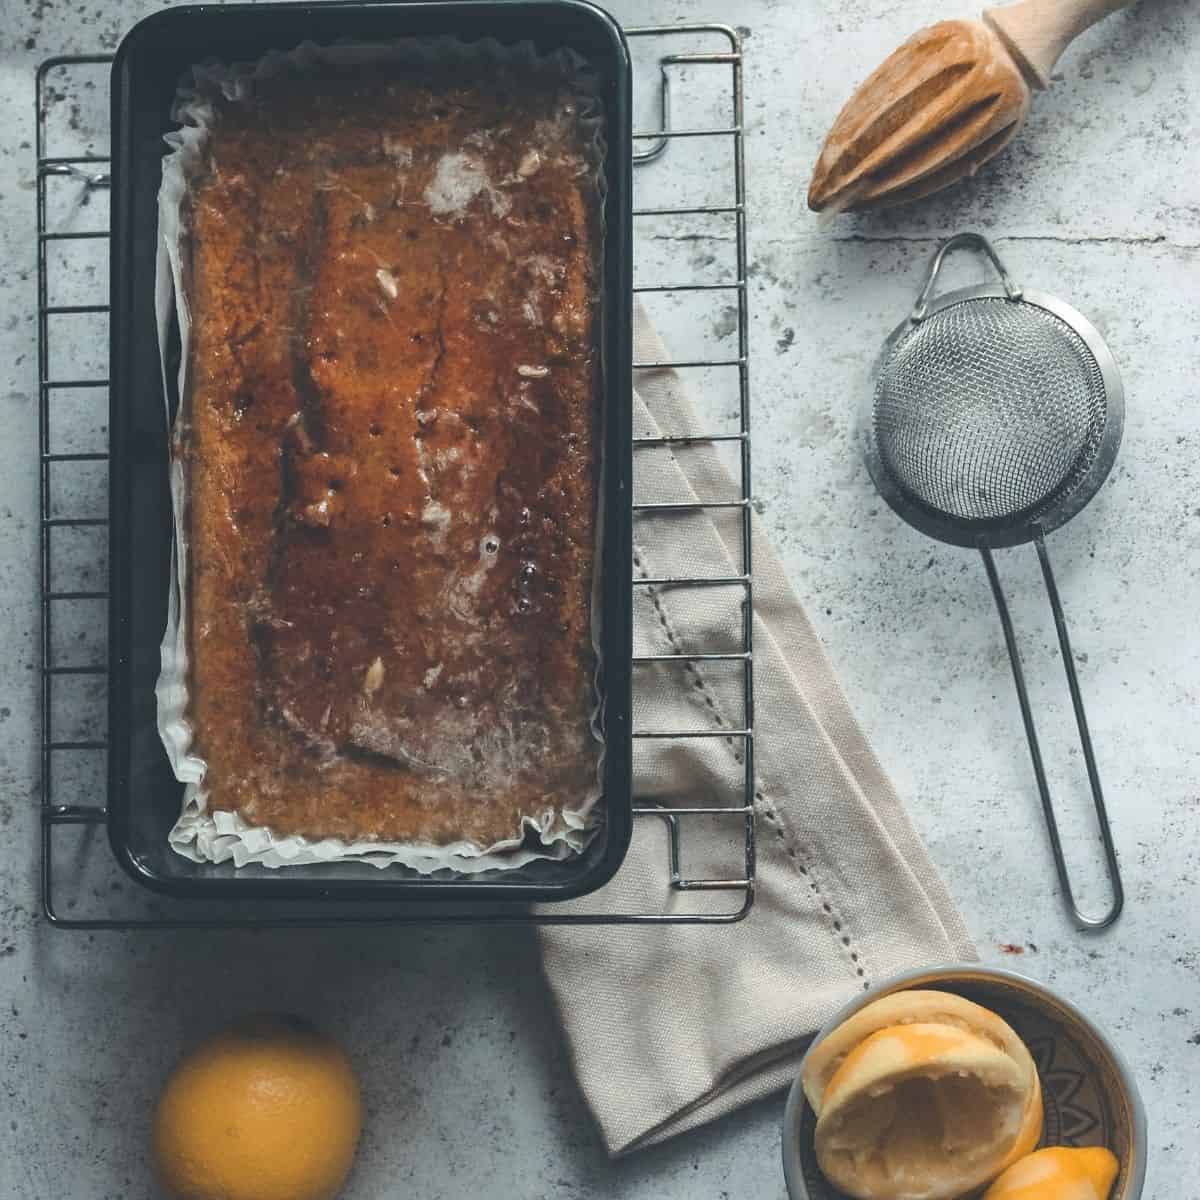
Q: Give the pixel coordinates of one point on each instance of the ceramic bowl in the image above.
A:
(1090, 1095)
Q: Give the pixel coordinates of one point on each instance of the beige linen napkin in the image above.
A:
(672, 1026)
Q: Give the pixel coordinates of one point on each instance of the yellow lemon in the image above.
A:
(1058, 1173)
(921, 1095)
(269, 1110)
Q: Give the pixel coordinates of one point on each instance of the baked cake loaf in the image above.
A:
(391, 453)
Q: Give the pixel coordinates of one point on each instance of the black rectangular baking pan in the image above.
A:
(144, 798)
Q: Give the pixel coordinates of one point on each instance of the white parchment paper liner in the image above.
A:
(207, 834)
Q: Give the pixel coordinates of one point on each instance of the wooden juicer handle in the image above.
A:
(1036, 32)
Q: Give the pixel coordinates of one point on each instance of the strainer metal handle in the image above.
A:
(961, 241)
(1085, 738)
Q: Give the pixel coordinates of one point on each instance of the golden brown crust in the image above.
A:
(391, 460)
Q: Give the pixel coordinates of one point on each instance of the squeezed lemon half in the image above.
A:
(921, 1095)
(1058, 1173)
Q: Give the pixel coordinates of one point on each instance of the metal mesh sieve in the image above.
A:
(996, 417)
(990, 409)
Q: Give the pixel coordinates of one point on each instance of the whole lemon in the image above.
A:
(269, 1110)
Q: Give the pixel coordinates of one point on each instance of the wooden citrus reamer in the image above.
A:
(944, 102)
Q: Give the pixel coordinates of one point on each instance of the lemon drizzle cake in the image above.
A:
(390, 454)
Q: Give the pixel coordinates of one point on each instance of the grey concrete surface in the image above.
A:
(467, 1080)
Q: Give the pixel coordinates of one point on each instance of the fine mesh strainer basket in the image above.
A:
(996, 417)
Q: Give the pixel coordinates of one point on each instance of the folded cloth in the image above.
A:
(671, 1026)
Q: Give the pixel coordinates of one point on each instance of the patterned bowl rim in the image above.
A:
(967, 973)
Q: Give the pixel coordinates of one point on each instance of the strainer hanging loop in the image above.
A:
(976, 242)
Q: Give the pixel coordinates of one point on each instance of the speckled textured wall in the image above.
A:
(1097, 201)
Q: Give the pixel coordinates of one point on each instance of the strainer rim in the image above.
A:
(1020, 527)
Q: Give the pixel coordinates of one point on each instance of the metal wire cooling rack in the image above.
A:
(81, 886)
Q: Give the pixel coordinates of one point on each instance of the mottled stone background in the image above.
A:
(1098, 201)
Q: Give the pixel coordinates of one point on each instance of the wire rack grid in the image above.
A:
(75, 760)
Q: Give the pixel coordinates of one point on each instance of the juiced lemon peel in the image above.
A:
(1058, 1173)
(921, 1095)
